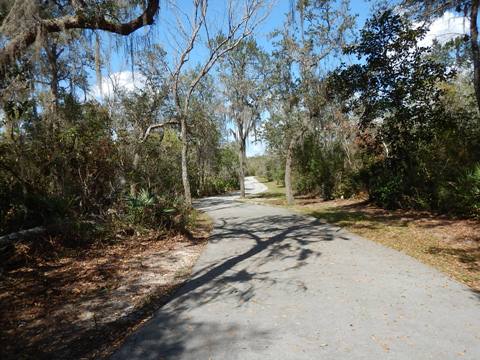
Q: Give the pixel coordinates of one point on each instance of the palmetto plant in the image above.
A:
(143, 199)
(146, 209)
(139, 206)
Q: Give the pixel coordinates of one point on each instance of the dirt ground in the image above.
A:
(83, 302)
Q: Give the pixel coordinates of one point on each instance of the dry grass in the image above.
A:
(83, 302)
(450, 245)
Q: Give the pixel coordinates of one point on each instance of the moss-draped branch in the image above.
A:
(18, 45)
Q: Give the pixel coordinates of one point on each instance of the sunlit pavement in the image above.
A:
(272, 284)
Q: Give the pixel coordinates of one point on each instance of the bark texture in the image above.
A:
(185, 181)
(288, 172)
(242, 162)
(475, 49)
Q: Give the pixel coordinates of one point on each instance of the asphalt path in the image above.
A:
(272, 284)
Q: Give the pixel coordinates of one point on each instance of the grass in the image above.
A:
(450, 245)
(273, 187)
(275, 194)
(201, 225)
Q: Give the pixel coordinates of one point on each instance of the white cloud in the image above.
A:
(445, 28)
(121, 80)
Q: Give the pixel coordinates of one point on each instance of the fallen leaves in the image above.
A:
(78, 303)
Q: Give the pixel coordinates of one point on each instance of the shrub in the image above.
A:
(461, 196)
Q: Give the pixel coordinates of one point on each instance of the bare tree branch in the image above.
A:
(157, 126)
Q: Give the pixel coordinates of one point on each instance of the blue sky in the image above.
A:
(164, 33)
(120, 70)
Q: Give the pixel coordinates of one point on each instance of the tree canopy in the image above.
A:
(342, 110)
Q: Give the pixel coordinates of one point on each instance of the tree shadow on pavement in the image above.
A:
(267, 251)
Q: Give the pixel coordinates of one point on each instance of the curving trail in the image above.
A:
(273, 284)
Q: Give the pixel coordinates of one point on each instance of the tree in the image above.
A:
(42, 18)
(285, 119)
(91, 167)
(396, 93)
(240, 25)
(150, 104)
(313, 32)
(244, 73)
(429, 9)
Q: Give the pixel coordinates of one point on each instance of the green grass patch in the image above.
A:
(275, 194)
(273, 186)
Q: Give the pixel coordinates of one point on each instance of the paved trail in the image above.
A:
(275, 285)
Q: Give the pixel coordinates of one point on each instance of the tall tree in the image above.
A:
(241, 23)
(244, 73)
(150, 104)
(396, 93)
(313, 32)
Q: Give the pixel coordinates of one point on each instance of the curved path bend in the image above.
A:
(273, 284)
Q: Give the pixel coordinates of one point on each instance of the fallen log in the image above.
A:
(22, 235)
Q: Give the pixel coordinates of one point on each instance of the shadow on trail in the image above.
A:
(289, 245)
(267, 252)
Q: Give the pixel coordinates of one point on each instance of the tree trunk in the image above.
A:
(475, 50)
(241, 169)
(185, 181)
(52, 105)
(288, 172)
(53, 60)
(133, 185)
(201, 185)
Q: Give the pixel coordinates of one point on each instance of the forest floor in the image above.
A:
(83, 302)
(450, 245)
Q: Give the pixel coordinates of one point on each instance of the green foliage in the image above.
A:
(138, 205)
(385, 188)
(71, 170)
(52, 173)
(322, 168)
(275, 169)
(410, 140)
(149, 211)
(224, 177)
(461, 196)
(397, 124)
(86, 171)
(158, 163)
